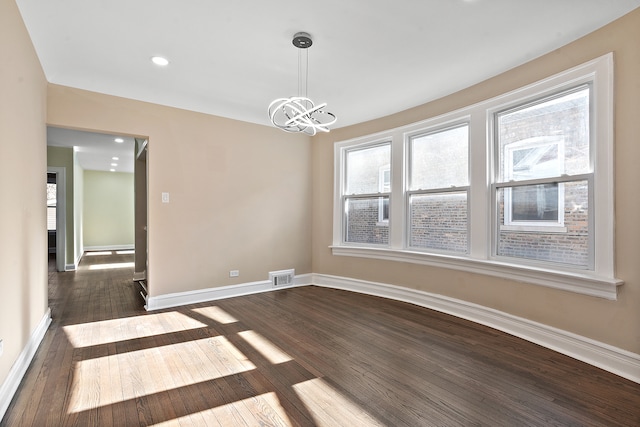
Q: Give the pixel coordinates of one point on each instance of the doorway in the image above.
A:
(101, 188)
(56, 215)
(141, 247)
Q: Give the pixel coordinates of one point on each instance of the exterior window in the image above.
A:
(544, 171)
(384, 181)
(367, 191)
(517, 186)
(438, 190)
(535, 205)
(51, 207)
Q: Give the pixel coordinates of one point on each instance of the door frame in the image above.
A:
(61, 216)
(141, 210)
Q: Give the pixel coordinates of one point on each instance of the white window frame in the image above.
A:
(383, 190)
(410, 191)
(599, 280)
(344, 197)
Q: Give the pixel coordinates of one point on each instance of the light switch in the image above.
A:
(165, 197)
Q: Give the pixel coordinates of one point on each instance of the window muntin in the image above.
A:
(367, 194)
(384, 186)
(438, 190)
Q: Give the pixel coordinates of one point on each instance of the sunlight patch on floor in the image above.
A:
(128, 328)
(217, 314)
(326, 403)
(269, 351)
(264, 410)
(97, 253)
(107, 380)
(127, 252)
(111, 266)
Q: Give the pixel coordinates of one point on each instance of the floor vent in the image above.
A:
(282, 277)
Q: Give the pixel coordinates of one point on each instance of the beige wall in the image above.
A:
(613, 322)
(240, 194)
(63, 157)
(108, 209)
(23, 168)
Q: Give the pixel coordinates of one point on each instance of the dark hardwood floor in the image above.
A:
(307, 356)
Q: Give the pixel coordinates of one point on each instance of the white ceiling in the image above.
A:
(95, 151)
(369, 58)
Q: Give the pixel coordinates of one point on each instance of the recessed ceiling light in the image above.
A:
(119, 140)
(115, 158)
(159, 60)
(112, 170)
(114, 164)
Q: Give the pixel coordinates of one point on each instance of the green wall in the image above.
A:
(108, 212)
(63, 157)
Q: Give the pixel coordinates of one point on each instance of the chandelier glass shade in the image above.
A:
(299, 113)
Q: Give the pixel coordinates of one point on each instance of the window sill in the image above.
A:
(581, 282)
(534, 228)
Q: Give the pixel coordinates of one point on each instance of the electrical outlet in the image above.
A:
(165, 197)
(234, 273)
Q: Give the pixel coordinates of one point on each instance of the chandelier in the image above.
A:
(299, 113)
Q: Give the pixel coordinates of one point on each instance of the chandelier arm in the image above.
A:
(299, 113)
(306, 113)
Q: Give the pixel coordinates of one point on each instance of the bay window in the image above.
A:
(518, 186)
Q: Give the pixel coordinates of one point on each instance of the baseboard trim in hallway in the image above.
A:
(19, 368)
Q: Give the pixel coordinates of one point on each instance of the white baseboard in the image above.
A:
(70, 267)
(618, 361)
(212, 294)
(19, 368)
(612, 359)
(109, 248)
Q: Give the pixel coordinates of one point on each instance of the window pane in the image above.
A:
(440, 160)
(51, 217)
(362, 217)
(364, 167)
(439, 221)
(567, 245)
(535, 203)
(51, 194)
(51, 206)
(546, 139)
